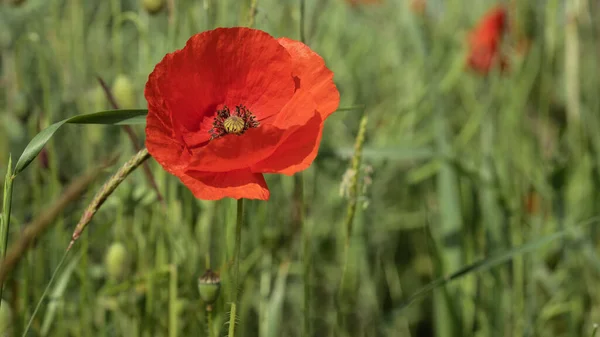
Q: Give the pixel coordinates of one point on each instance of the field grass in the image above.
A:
(469, 209)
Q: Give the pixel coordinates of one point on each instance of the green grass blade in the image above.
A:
(112, 117)
(41, 300)
(488, 263)
(57, 293)
(451, 224)
(5, 223)
(275, 311)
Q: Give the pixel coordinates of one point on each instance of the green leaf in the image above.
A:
(496, 260)
(113, 117)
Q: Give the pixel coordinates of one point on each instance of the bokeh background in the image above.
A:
(460, 172)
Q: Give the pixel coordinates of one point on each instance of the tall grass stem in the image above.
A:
(236, 266)
(39, 304)
(5, 223)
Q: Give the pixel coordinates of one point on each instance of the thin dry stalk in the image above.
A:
(106, 190)
(252, 12)
(40, 224)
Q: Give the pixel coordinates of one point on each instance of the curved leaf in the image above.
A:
(496, 260)
(113, 117)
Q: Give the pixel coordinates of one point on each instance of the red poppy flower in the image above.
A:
(418, 6)
(535, 205)
(532, 202)
(233, 104)
(484, 42)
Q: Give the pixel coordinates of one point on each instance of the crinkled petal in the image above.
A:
(297, 152)
(313, 74)
(161, 139)
(233, 152)
(298, 111)
(235, 184)
(225, 66)
(163, 148)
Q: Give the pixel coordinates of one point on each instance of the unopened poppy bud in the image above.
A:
(153, 6)
(123, 91)
(271, 237)
(16, 3)
(116, 261)
(6, 320)
(209, 286)
(95, 98)
(20, 105)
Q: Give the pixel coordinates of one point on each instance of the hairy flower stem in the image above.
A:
(209, 310)
(236, 266)
(209, 323)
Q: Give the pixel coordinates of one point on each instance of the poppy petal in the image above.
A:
(299, 110)
(235, 184)
(167, 152)
(160, 139)
(233, 152)
(225, 66)
(312, 73)
(297, 152)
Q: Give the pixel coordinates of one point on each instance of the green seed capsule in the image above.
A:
(209, 285)
(20, 105)
(6, 320)
(153, 6)
(116, 261)
(95, 98)
(16, 3)
(123, 91)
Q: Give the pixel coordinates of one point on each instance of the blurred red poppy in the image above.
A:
(418, 6)
(233, 104)
(485, 40)
(532, 202)
(535, 205)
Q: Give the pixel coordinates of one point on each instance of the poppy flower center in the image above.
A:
(236, 123)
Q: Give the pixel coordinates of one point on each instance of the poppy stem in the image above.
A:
(236, 266)
(209, 313)
(209, 323)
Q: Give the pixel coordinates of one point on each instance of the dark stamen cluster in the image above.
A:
(219, 129)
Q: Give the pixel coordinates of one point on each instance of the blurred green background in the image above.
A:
(456, 169)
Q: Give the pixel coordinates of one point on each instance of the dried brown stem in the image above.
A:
(40, 224)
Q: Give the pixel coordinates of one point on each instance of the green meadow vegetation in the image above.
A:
(442, 202)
